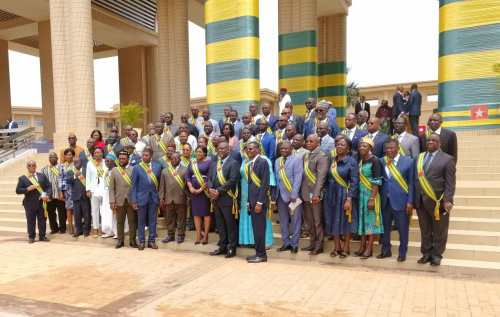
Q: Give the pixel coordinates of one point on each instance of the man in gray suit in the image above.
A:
(288, 171)
(437, 169)
(313, 180)
(159, 140)
(409, 144)
(166, 118)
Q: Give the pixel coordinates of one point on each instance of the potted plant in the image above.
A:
(131, 114)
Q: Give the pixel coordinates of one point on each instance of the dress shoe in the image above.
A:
(284, 248)
(251, 246)
(152, 245)
(31, 240)
(180, 239)
(304, 235)
(330, 238)
(44, 239)
(77, 234)
(309, 248)
(424, 260)
(218, 252)
(230, 253)
(401, 258)
(168, 239)
(53, 231)
(384, 255)
(316, 251)
(380, 240)
(133, 244)
(141, 246)
(85, 235)
(257, 259)
(294, 249)
(107, 235)
(251, 257)
(435, 262)
(119, 244)
(62, 231)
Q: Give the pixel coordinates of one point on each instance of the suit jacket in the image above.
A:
(31, 200)
(170, 190)
(221, 123)
(318, 164)
(118, 139)
(391, 190)
(116, 149)
(298, 120)
(410, 145)
(174, 129)
(356, 138)
(441, 175)
(134, 159)
(143, 188)
(91, 178)
(379, 148)
(357, 108)
(235, 155)
(14, 126)
(78, 190)
(84, 158)
(237, 127)
(272, 121)
(449, 143)
(397, 104)
(303, 120)
(310, 128)
(259, 194)
(193, 130)
(231, 172)
(119, 190)
(157, 150)
(268, 143)
(327, 143)
(414, 103)
(255, 130)
(294, 169)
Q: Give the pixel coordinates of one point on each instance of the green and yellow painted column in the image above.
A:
(298, 68)
(469, 46)
(332, 69)
(232, 47)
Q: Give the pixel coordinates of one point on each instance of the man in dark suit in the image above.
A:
(267, 141)
(378, 138)
(193, 130)
(171, 129)
(310, 106)
(113, 145)
(320, 116)
(398, 103)
(114, 129)
(290, 132)
(362, 105)
(86, 154)
(258, 199)
(81, 203)
(266, 114)
(134, 158)
(37, 190)
(413, 108)
(235, 155)
(397, 201)
(11, 125)
(144, 195)
(352, 132)
(449, 144)
(295, 118)
(222, 186)
(409, 144)
(437, 170)
(225, 119)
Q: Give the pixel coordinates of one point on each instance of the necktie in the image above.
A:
(284, 160)
(34, 175)
(392, 162)
(427, 162)
(320, 139)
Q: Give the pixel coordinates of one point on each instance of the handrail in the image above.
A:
(21, 140)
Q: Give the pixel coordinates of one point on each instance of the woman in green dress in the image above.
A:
(370, 216)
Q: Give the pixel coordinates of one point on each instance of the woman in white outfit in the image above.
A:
(102, 193)
(95, 174)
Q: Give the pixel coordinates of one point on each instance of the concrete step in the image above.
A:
(472, 155)
(9, 205)
(463, 150)
(478, 176)
(478, 169)
(478, 161)
(476, 212)
(477, 188)
(13, 213)
(482, 201)
(475, 224)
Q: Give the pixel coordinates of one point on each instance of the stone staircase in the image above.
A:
(474, 234)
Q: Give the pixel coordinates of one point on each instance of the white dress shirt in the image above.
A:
(395, 162)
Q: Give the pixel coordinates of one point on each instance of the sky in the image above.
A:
(388, 42)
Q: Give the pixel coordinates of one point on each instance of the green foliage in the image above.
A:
(131, 114)
(353, 93)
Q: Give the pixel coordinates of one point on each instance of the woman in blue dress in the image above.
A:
(340, 204)
(65, 188)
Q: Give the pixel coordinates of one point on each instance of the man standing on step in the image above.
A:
(51, 170)
(408, 143)
(81, 203)
(37, 190)
(435, 182)
(449, 144)
(72, 145)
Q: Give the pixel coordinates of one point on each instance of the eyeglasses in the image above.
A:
(308, 102)
(320, 110)
(31, 165)
(282, 120)
(399, 123)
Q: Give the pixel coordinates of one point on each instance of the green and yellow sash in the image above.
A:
(81, 178)
(284, 177)
(125, 176)
(150, 173)
(210, 144)
(242, 150)
(167, 130)
(334, 153)
(395, 137)
(367, 184)
(185, 160)
(160, 143)
(340, 181)
(106, 177)
(262, 152)
(175, 174)
(54, 170)
(34, 182)
(225, 120)
(258, 182)
(199, 178)
(110, 150)
(309, 174)
(426, 186)
(396, 174)
(278, 136)
(234, 195)
(308, 115)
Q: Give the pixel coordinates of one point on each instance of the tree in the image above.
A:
(131, 114)
(353, 93)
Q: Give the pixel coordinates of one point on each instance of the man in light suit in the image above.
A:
(352, 132)
(258, 199)
(413, 108)
(298, 146)
(266, 140)
(287, 112)
(396, 203)
(317, 161)
(206, 117)
(164, 138)
(166, 119)
(33, 200)
(223, 202)
(398, 103)
(449, 144)
(11, 124)
(293, 169)
(326, 142)
(144, 195)
(378, 138)
(408, 142)
(266, 114)
(440, 170)
(120, 200)
(81, 203)
(320, 116)
(362, 105)
(295, 118)
(362, 119)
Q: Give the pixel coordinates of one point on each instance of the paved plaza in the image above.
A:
(79, 279)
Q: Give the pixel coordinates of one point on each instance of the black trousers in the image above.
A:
(228, 235)
(32, 216)
(434, 233)
(61, 212)
(259, 230)
(81, 209)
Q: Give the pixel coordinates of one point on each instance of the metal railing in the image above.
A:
(23, 139)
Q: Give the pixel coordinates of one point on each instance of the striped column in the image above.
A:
(469, 45)
(298, 68)
(232, 49)
(332, 69)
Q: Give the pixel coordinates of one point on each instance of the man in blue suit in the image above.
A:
(378, 138)
(321, 110)
(225, 119)
(266, 114)
(267, 141)
(144, 196)
(134, 158)
(397, 202)
(352, 132)
(88, 153)
(398, 103)
(413, 108)
(235, 122)
(81, 203)
(288, 190)
(11, 124)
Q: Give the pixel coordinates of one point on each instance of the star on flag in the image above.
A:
(479, 112)
(421, 129)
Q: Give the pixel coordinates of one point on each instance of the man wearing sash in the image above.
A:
(113, 146)
(37, 191)
(210, 135)
(81, 203)
(254, 111)
(321, 110)
(246, 119)
(222, 186)
(266, 114)
(196, 119)
(310, 105)
(225, 119)
(166, 119)
(435, 182)
(72, 144)
(266, 141)
(313, 181)
(120, 183)
(159, 140)
(408, 143)
(352, 132)
(86, 155)
(125, 140)
(448, 138)
(397, 197)
(280, 129)
(298, 146)
(288, 171)
(144, 196)
(134, 158)
(363, 117)
(173, 195)
(206, 118)
(51, 170)
(192, 129)
(290, 132)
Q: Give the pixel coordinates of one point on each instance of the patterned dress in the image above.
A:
(65, 187)
(372, 170)
(385, 115)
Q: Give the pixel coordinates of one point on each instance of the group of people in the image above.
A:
(323, 180)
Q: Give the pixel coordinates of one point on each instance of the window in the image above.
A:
(39, 123)
(22, 122)
(431, 98)
(109, 125)
(373, 102)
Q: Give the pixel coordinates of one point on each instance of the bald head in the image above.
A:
(373, 125)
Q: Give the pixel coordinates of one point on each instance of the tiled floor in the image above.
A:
(77, 279)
